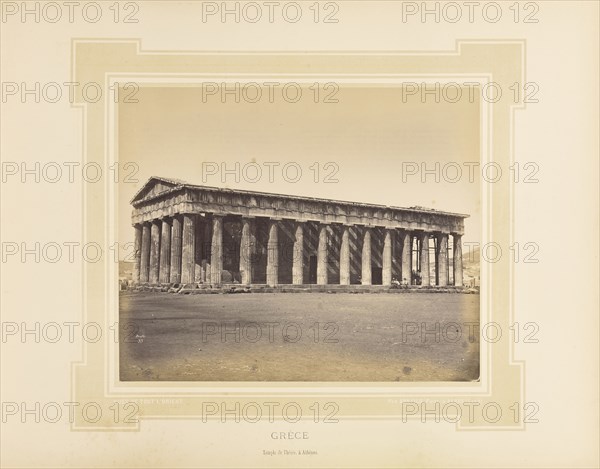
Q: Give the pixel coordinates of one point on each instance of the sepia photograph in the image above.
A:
(299, 234)
(346, 251)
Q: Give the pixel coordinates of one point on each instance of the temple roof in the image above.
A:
(157, 186)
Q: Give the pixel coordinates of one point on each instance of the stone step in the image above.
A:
(198, 289)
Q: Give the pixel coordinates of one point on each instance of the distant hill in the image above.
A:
(471, 265)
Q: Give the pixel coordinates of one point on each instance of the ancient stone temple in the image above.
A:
(190, 234)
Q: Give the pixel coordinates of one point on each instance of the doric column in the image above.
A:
(415, 246)
(406, 258)
(165, 252)
(216, 250)
(345, 257)
(386, 259)
(457, 260)
(206, 250)
(442, 260)
(199, 275)
(322, 255)
(298, 261)
(145, 257)
(137, 252)
(154, 251)
(273, 253)
(425, 280)
(247, 246)
(436, 262)
(188, 246)
(176, 233)
(366, 258)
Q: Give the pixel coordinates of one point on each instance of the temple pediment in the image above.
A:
(154, 187)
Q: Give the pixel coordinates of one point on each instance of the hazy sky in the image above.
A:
(368, 135)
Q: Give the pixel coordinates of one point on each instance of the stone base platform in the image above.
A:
(205, 289)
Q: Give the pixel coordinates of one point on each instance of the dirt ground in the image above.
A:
(299, 337)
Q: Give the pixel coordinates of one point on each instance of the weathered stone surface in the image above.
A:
(345, 257)
(206, 252)
(457, 260)
(216, 253)
(145, 255)
(154, 251)
(198, 245)
(273, 254)
(366, 258)
(298, 253)
(247, 246)
(406, 258)
(425, 280)
(137, 252)
(188, 249)
(322, 256)
(442, 260)
(165, 252)
(175, 267)
(387, 258)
